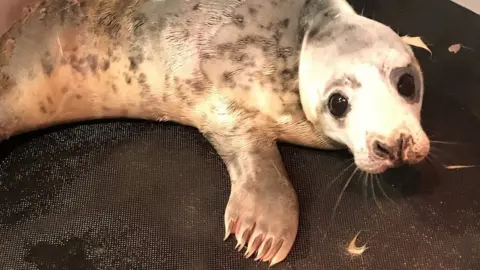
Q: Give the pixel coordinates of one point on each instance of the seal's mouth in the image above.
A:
(379, 159)
(374, 168)
(372, 164)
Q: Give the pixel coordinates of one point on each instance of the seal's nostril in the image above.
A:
(401, 145)
(382, 150)
(394, 152)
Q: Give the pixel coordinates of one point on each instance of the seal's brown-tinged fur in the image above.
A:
(78, 60)
(74, 60)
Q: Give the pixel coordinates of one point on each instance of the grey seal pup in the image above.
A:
(246, 73)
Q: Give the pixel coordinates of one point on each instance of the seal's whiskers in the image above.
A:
(382, 190)
(342, 192)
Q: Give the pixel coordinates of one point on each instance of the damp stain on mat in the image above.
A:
(86, 251)
(68, 255)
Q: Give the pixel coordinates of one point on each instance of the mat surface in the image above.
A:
(144, 195)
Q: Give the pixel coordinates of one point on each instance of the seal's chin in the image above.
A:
(374, 167)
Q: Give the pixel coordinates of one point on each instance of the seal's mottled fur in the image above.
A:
(246, 73)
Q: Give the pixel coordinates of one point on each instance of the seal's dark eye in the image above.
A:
(406, 85)
(338, 105)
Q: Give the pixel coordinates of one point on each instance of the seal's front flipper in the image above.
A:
(262, 210)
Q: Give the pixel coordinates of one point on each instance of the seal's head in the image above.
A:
(363, 87)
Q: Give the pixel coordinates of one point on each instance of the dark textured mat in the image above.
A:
(142, 195)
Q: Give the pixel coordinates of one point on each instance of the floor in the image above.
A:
(473, 5)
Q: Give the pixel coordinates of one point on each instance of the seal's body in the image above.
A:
(246, 73)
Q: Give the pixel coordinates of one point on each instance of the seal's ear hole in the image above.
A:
(406, 85)
(338, 105)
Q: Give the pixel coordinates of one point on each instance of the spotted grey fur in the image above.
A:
(227, 67)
